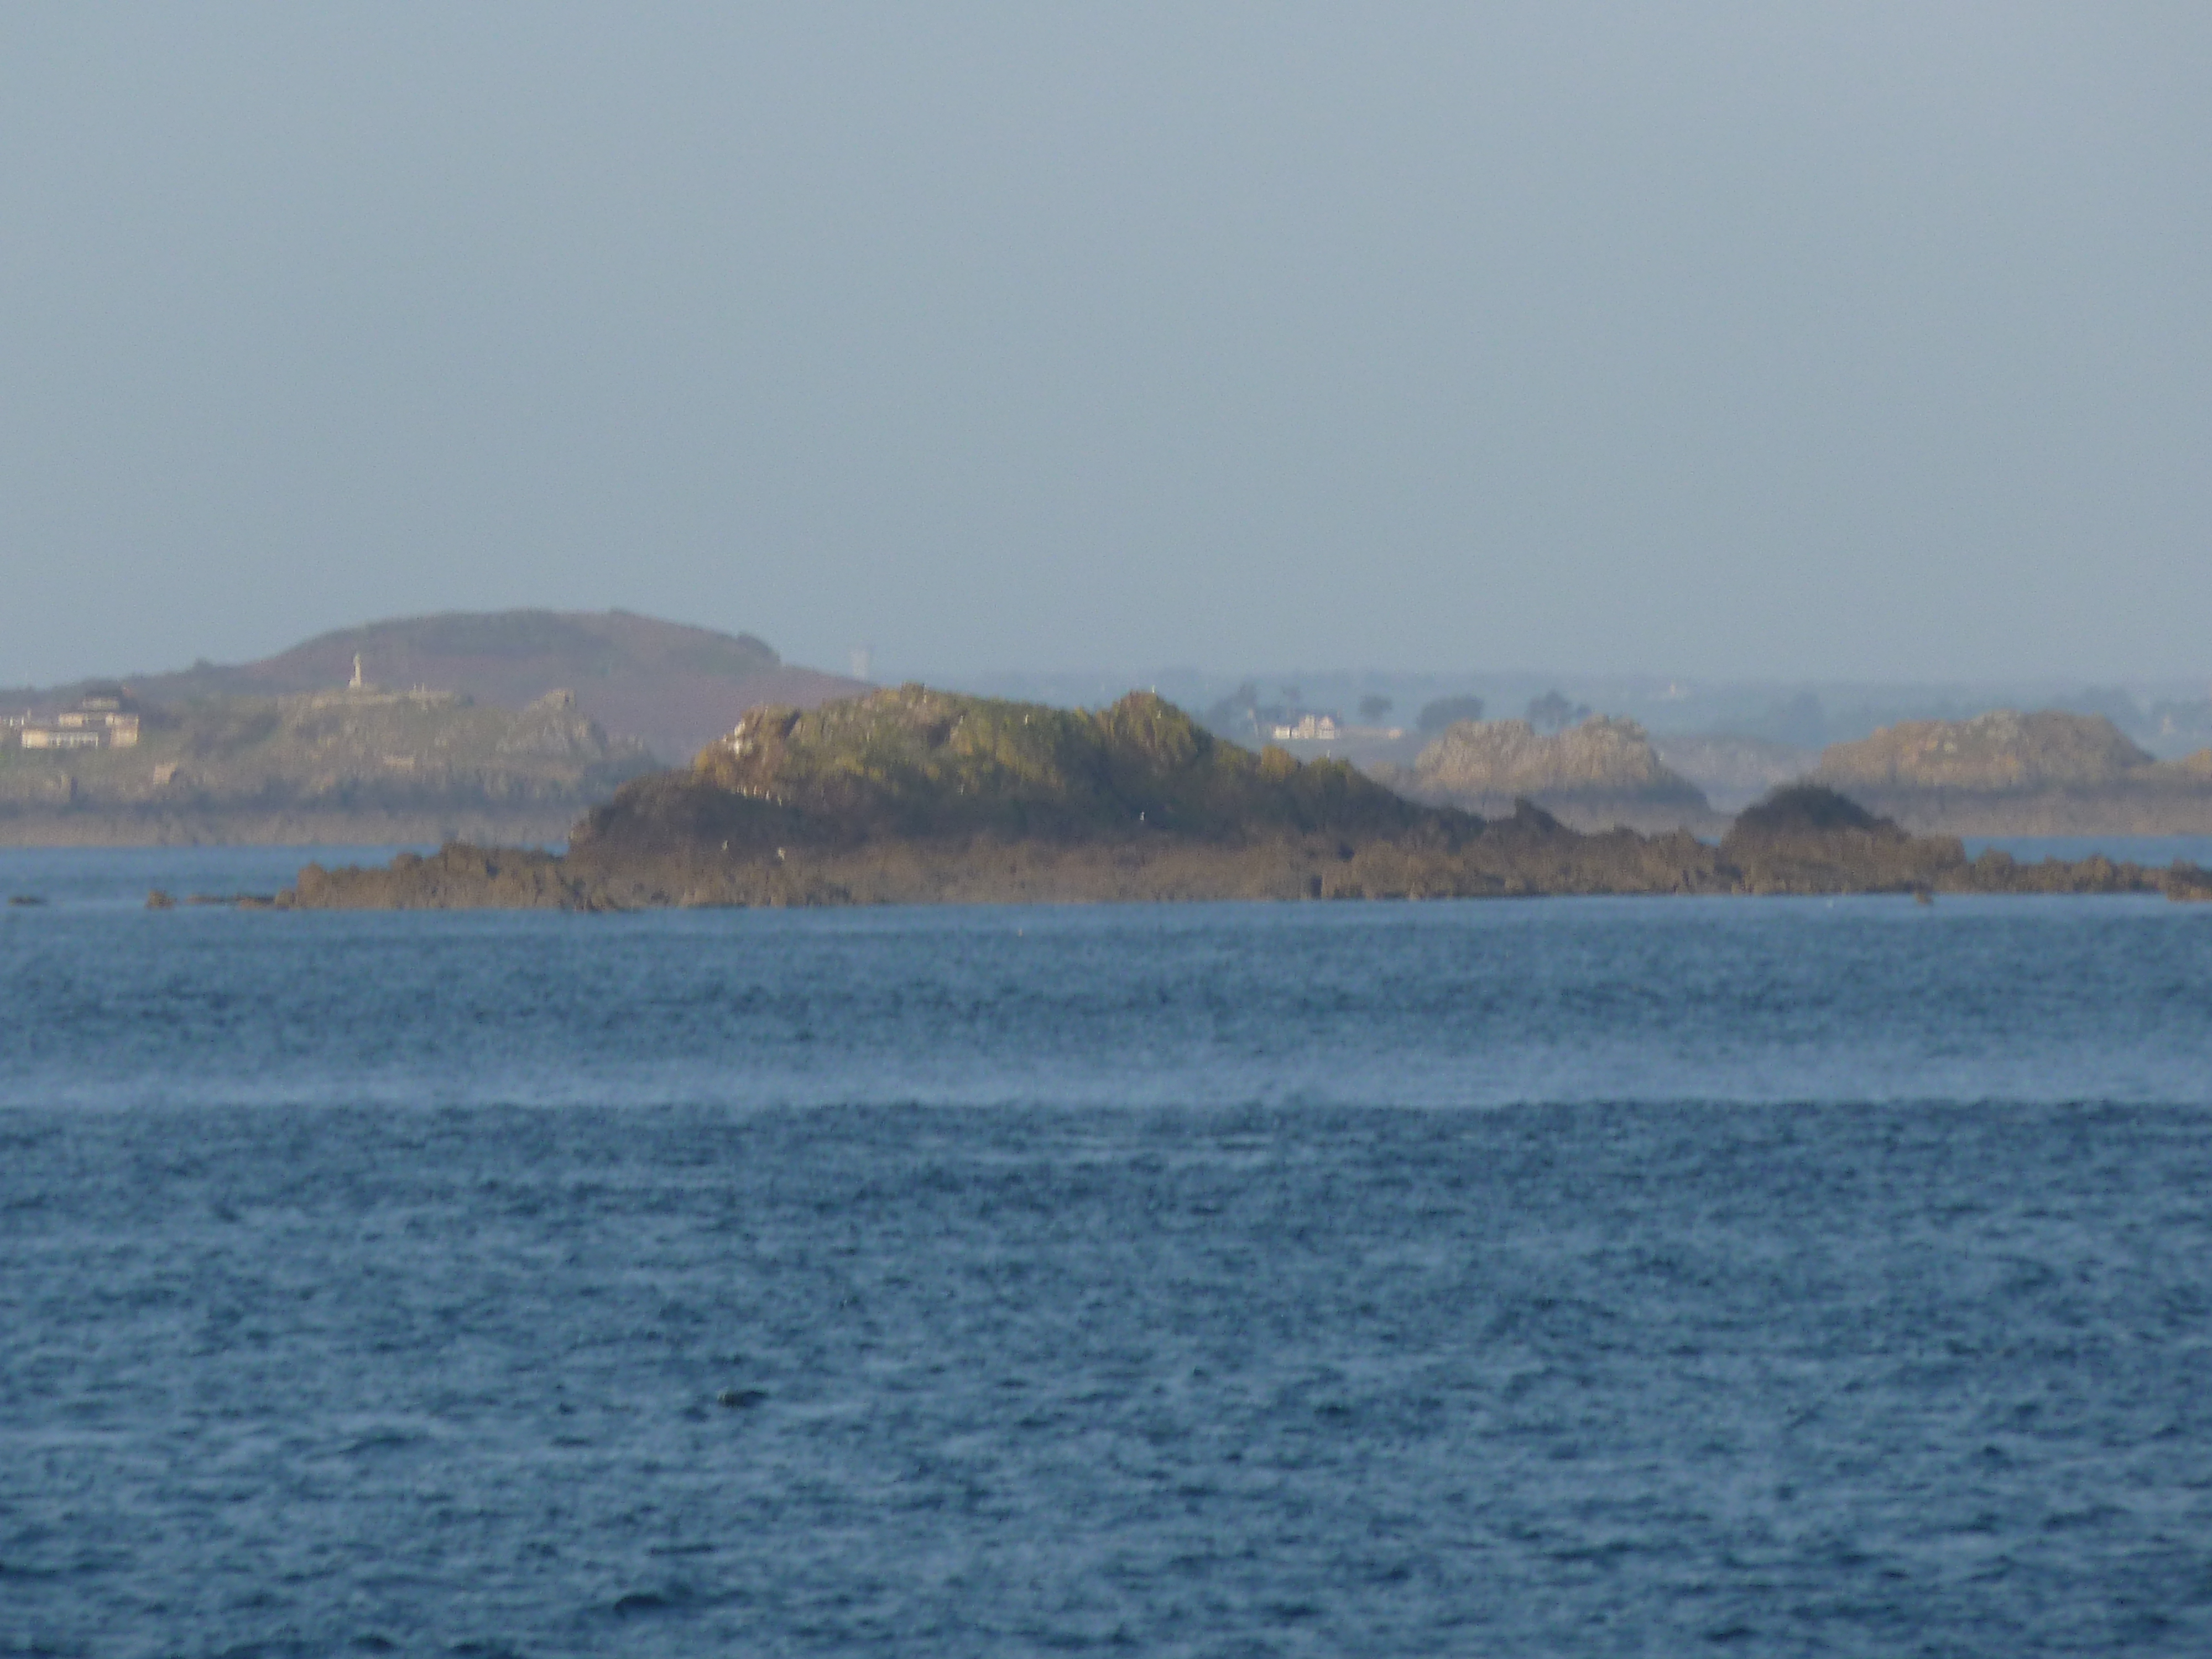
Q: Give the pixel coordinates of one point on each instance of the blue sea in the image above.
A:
(1648, 1276)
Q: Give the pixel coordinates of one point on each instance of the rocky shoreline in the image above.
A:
(914, 796)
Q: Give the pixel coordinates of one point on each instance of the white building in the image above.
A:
(97, 722)
(47, 737)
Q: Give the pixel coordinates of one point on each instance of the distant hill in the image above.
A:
(673, 687)
(2008, 772)
(2000, 750)
(1601, 772)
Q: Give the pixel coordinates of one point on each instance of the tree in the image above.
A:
(1552, 713)
(1237, 713)
(1373, 707)
(1448, 711)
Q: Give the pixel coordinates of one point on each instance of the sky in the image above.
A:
(1731, 340)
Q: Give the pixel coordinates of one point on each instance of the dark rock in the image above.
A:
(1804, 808)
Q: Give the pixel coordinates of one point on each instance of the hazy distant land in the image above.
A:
(2004, 773)
(668, 685)
(506, 726)
(2008, 774)
(509, 727)
(1599, 774)
(360, 765)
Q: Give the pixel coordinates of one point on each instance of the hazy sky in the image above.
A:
(1839, 340)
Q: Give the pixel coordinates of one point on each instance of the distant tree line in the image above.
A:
(1448, 711)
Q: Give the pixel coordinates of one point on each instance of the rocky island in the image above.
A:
(1601, 772)
(2005, 773)
(914, 795)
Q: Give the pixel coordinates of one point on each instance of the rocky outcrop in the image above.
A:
(916, 796)
(2007, 773)
(2004, 751)
(457, 877)
(1601, 773)
(1806, 839)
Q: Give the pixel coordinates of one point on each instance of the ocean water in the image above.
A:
(1609, 1277)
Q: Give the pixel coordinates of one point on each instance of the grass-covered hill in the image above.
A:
(913, 762)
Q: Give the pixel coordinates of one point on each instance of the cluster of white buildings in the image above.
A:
(96, 722)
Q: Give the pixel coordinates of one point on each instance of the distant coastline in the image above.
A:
(513, 724)
(483, 726)
(280, 829)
